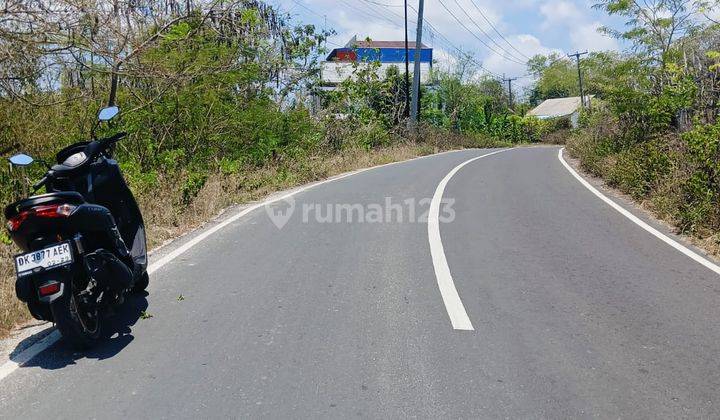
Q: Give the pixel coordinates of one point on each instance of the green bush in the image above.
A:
(638, 170)
(679, 174)
(701, 191)
(370, 135)
(192, 186)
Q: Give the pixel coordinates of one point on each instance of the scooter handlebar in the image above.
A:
(95, 148)
(108, 141)
(40, 183)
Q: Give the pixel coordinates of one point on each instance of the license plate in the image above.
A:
(50, 257)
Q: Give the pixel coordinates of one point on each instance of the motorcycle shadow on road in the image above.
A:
(118, 335)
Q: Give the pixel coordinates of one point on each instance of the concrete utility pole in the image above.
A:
(577, 58)
(509, 81)
(407, 67)
(414, 109)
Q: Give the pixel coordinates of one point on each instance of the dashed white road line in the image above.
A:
(453, 304)
(28, 354)
(668, 240)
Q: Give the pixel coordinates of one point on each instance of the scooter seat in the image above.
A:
(70, 197)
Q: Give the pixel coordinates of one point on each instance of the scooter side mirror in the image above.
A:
(107, 114)
(21, 160)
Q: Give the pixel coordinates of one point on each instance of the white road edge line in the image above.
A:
(668, 240)
(454, 306)
(28, 354)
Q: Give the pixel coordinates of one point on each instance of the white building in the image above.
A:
(560, 108)
(341, 62)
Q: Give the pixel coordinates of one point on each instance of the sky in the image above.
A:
(514, 29)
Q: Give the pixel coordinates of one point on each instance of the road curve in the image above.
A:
(577, 312)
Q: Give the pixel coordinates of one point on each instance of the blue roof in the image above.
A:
(385, 55)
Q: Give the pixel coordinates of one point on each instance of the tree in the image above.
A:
(556, 78)
(653, 25)
(70, 43)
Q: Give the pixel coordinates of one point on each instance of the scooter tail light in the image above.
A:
(65, 210)
(14, 222)
(49, 211)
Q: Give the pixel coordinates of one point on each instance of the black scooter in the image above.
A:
(84, 240)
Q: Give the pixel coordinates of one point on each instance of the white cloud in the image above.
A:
(523, 4)
(562, 13)
(587, 37)
(444, 60)
(350, 26)
(529, 45)
(582, 32)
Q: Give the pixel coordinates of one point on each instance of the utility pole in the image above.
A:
(509, 81)
(407, 67)
(577, 58)
(416, 74)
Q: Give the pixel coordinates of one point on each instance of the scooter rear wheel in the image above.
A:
(80, 327)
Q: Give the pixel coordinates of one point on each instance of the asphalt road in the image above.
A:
(576, 312)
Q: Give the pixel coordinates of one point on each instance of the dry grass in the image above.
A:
(664, 197)
(165, 219)
(556, 137)
(12, 310)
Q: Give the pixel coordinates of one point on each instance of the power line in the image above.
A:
(558, 58)
(477, 37)
(451, 45)
(496, 30)
(485, 33)
(433, 29)
(376, 15)
(383, 4)
(441, 38)
(318, 14)
(309, 9)
(324, 17)
(373, 4)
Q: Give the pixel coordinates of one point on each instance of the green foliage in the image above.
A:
(368, 97)
(702, 189)
(643, 111)
(557, 78)
(639, 169)
(557, 75)
(5, 238)
(478, 106)
(715, 57)
(192, 186)
(370, 135)
(196, 101)
(140, 180)
(655, 134)
(652, 27)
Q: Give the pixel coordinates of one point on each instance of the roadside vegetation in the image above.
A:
(222, 102)
(653, 130)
